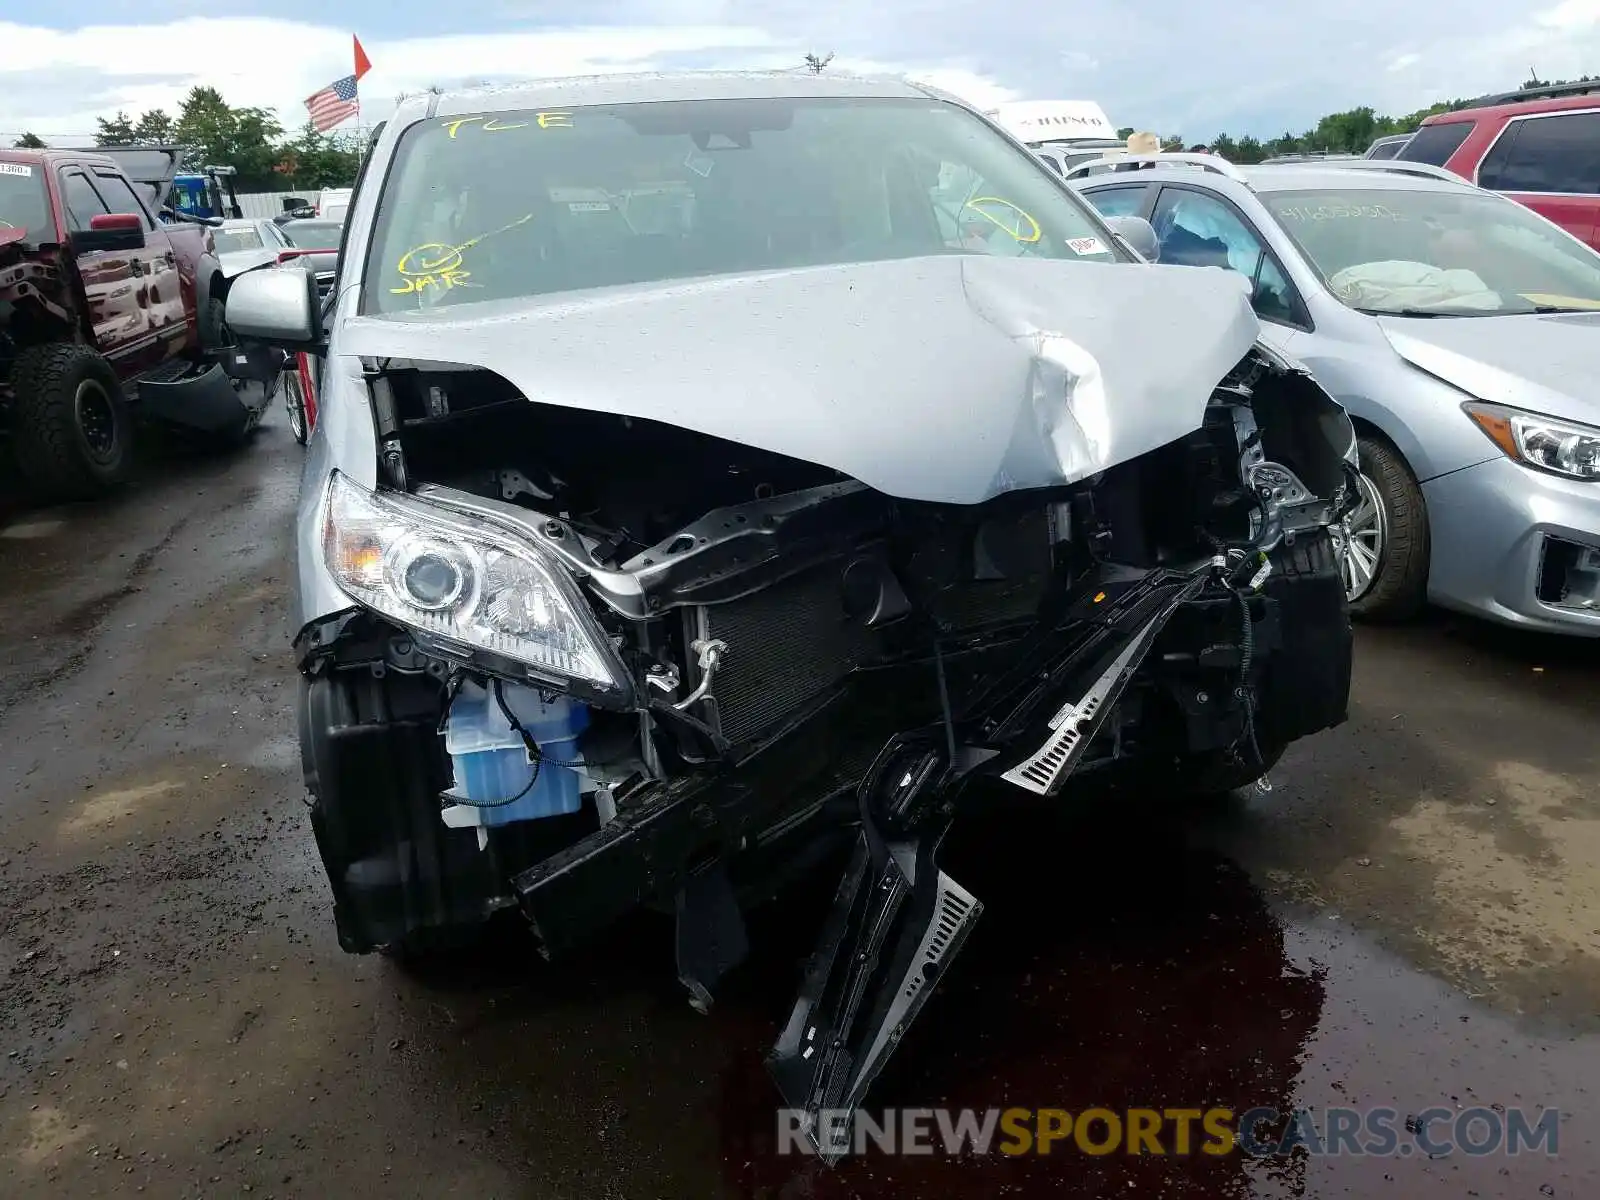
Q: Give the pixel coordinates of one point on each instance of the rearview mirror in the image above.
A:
(1138, 234)
(277, 307)
(110, 231)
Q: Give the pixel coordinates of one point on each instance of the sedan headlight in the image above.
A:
(1544, 443)
(462, 581)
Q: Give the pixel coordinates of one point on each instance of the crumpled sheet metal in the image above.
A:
(949, 379)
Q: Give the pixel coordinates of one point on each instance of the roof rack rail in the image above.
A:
(1396, 166)
(1208, 162)
(1549, 91)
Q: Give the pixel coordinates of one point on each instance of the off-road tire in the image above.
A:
(1401, 587)
(54, 452)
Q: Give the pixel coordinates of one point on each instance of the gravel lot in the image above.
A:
(1411, 917)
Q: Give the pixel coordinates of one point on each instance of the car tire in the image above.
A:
(295, 403)
(214, 332)
(1398, 586)
(73, 433)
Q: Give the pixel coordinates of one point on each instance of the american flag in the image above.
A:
(334, 103)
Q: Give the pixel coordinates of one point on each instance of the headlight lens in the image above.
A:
(1544, 443)
(461, 580)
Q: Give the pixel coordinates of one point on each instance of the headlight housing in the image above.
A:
(1562, 448)
(463, 582)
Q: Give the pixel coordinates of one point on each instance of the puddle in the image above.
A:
(30, 530)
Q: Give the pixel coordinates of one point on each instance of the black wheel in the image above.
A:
(295, 402)
(214, 332)
(1383, 544)
(73, 431)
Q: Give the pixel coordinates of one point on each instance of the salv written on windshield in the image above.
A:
(1338, 212)
(435, 264)
(542, 120)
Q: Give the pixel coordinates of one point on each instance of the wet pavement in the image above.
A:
(1411, 918)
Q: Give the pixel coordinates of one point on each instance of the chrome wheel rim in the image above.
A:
(97, 421)
(292, 401)
(1360, 540)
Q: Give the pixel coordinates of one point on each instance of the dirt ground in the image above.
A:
(1411, 917)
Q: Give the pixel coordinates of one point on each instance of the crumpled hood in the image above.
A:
(948, 379)
(1545, 363)
(237, 262)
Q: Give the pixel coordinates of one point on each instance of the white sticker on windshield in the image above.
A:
(1089, 245)
(588, 206)
(22, 169)
(700, 164)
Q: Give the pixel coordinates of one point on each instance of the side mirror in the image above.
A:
(110, 231)
(276, 307)
(1139, 234)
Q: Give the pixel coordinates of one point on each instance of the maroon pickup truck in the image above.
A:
(106, 311)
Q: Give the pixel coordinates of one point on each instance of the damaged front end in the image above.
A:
(596, 662)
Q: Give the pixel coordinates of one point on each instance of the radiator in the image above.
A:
(791, 643)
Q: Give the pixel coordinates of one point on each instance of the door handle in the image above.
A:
(168, 257)
(135, 267)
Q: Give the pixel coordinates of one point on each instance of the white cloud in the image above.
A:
(146, 78)
(1571, 15)
(1154, 64)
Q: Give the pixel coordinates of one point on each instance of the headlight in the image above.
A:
(1544, 443)
(463, 581)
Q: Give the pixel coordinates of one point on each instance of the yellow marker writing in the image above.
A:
(554, 120)
(1014, 230)
(455, 126)
(435, 264)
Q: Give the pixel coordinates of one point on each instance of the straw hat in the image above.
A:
(1143, 142)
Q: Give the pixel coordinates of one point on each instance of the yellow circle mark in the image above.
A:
(430, 258)
(1022, 228)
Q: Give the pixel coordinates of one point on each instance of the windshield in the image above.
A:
(526, 203)
(313, 235)
(236, 237)
(1447, 252)
(22, 201)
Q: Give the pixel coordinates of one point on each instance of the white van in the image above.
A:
(333, 203)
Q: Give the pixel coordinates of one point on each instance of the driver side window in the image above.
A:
(1199, 230)
(80, 200)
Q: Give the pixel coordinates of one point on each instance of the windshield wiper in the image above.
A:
(1558, 308)
(1433, 312)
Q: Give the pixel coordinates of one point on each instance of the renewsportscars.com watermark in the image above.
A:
(1258, 1132)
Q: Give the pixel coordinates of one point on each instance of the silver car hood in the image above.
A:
(949, 379)
(237, 262)
(1545, 362)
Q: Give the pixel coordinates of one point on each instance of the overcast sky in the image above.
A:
(1175, 66)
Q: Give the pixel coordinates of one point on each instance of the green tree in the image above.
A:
(118, 131)
(154, 127)
(1249, 150)
(221, 135)
(319, 160)
(30, 141)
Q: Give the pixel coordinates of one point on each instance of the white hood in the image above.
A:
(949, 379)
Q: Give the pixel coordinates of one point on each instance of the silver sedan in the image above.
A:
(246, 242)
(1462, 333)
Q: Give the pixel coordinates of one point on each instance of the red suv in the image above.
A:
(1540, 146)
